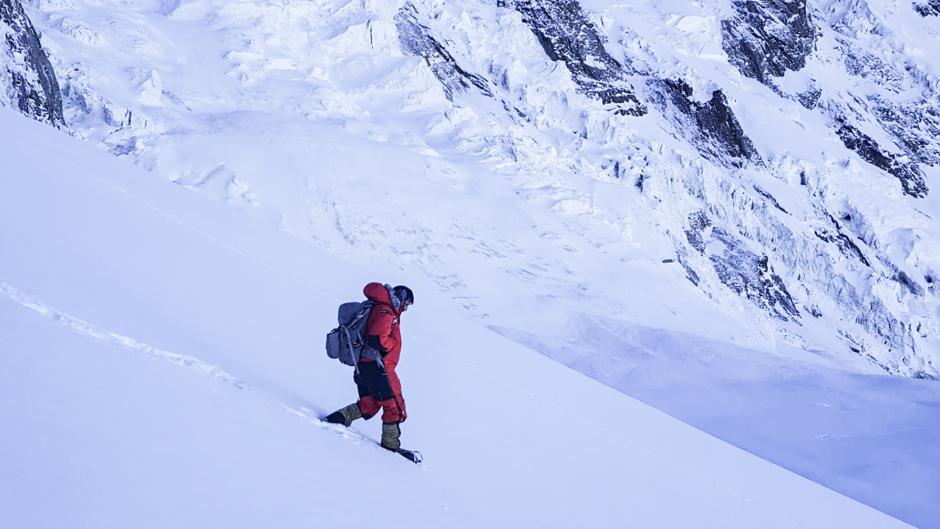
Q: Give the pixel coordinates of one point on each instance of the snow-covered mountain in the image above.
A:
(690, 202)
(777, 154)
(157, 371)
(804, 230)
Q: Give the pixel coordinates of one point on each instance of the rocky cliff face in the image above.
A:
(813, 252)
(908, 173)
(710, 125)
(27, 81)
(567, 36)
(418, 40)
(765, 39)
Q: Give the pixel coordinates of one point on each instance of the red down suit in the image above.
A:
(378, 384)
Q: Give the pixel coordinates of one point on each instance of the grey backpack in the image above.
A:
(347, 342)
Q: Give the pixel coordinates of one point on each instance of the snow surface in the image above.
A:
(308, 116)
(162, 368)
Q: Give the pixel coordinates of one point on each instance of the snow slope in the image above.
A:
(162, 368)
(549, 220)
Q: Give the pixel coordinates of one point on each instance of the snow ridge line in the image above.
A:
(90, 330)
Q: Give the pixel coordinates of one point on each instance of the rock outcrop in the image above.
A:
(909, 174)
(567, 35)
(766, 38)
(417, 39)
(710, 126)
(27, 80)
(928, 8)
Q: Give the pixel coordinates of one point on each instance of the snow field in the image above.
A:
(201, 295)
(307, 116)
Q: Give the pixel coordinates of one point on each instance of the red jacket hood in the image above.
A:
(378, 293)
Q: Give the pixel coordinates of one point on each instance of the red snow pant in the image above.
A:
(379, 388)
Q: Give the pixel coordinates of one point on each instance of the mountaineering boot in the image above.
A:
(345, 416)
(411, 455)
(391, 436)
(391, 440)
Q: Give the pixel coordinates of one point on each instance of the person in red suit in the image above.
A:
(376, 379)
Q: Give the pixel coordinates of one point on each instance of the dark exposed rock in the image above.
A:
(764, 193)
(928, 8)
(809, 98)
(910, 175)
(30, 81)
(915, 126)
(751, 276)
(568, 36)
(908, 283)
(712, 126)
(765, 39)
(868, 66)
(743, 271)
(416, 39)
(690, 274)
(698, 222)
(846, 246)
